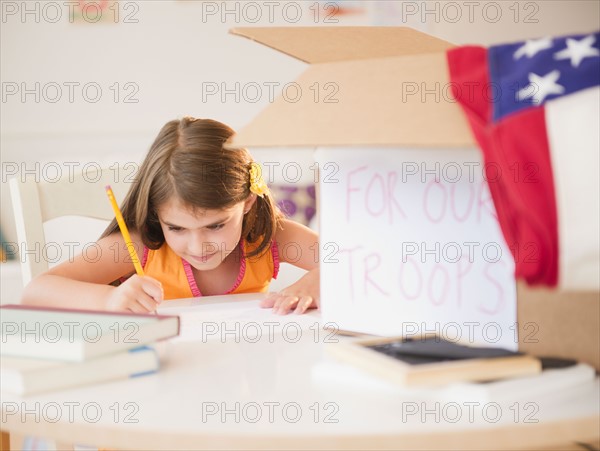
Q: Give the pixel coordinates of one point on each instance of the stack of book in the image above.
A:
(46, 349)
(448, 370)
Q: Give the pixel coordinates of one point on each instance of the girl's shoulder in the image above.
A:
(304, 241)
(289, 230)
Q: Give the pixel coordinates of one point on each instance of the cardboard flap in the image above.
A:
(328, 44)
(401, 101)
(564, 324)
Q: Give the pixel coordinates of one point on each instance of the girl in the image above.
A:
(203, 223)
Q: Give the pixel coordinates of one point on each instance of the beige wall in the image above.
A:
(493, 22)
(170, 51)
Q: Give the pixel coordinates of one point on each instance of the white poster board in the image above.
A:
(410, 243)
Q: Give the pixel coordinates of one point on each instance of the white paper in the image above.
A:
(410, 242)
(239, 321)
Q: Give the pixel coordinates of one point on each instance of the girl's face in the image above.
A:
(203, 237)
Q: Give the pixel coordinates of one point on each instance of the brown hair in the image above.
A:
(188, 161)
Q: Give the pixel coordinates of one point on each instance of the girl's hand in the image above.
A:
(138, 294)
(300, 296)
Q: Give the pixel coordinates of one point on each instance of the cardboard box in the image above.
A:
(375, 102)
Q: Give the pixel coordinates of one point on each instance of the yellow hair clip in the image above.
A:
(257, 184)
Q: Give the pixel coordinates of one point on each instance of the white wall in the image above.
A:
(167, 56)
(171, 49)
(488, 22)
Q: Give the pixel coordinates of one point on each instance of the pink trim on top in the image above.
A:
(242, 272)
(189, 274)
(145, 256)
(122, 279)
(275, 252)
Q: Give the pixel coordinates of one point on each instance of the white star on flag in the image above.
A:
(576, 51)
(541, 87)
(532, 46)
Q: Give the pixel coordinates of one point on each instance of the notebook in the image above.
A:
(77, 335)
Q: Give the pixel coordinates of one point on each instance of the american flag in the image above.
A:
(534, 108)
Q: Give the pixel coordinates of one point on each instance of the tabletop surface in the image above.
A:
(242, 377)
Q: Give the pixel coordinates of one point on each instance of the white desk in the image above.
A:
(182, 406)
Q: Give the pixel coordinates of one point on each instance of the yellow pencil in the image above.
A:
(124, 232)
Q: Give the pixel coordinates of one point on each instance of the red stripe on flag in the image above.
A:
(518, 168)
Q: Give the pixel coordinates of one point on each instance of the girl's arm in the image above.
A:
(304, 293)
(83, 283)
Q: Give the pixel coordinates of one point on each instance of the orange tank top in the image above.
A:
(178, 281)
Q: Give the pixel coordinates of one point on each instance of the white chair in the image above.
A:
(34, 203)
